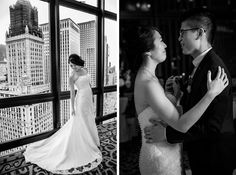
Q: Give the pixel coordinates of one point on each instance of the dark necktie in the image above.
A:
(190, 80)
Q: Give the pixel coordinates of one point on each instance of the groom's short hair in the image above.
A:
(201, 18)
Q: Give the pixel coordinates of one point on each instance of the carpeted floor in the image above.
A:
(14, 164)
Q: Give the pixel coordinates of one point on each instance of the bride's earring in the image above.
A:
(147, 54)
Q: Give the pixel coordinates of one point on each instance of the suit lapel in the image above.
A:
(200, 74)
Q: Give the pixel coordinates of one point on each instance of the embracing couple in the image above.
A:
(206, 124)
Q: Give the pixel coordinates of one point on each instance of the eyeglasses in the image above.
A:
(181, 32)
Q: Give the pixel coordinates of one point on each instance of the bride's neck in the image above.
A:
(150, 65)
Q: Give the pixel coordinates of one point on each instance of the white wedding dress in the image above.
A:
(73, 149)
(157, 158)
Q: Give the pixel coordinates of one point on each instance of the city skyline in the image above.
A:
(25, 75)
(43, 17)
(29, 26)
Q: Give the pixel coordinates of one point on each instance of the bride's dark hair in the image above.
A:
(145, 43)
(76, 59)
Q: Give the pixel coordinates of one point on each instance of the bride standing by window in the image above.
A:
(74, 148)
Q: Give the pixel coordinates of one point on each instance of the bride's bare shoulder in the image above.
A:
(73, 77)
(147, 82)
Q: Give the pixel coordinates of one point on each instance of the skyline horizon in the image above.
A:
(65, 13)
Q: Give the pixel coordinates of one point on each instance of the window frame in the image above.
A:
(56, 95)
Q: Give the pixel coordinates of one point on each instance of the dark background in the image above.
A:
(165, 14)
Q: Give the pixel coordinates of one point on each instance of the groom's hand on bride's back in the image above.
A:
(155, 132)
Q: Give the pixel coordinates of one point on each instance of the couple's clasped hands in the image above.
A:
(156, 132)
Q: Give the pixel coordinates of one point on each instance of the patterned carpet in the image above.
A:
(15, 164)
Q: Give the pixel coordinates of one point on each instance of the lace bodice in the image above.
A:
(83, 82)
(144, 118)
(159, 158)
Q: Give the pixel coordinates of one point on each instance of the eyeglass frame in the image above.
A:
(181, 31)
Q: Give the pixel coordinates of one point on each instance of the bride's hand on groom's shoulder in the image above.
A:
(156, 132)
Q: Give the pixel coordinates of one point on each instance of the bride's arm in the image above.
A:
(167, 111)
(72, 94)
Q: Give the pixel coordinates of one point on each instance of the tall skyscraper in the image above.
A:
(88, 47)
(22, 14)
(69, 43)
(88, 52)
(24, 48)
(25, 75)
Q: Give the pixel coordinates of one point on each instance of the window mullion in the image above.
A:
(55, 60)
(100, 58)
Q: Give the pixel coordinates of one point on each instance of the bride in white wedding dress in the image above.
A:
(151, 102)
(73, 149)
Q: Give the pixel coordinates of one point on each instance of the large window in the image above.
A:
(78, 34)
(111, 58)
(25, 69)
(24, 53)
(111, 53)
(34, 70)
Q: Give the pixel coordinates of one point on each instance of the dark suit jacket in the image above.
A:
(210, 141)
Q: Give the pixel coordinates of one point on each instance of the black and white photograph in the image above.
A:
(177, 87)
(58, 87)
(63, 109)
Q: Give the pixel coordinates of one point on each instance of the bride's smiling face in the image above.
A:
(158, 52)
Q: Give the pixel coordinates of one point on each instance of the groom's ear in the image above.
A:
(200, 33)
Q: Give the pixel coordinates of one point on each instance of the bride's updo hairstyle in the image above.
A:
(76, 59)
(145, 43)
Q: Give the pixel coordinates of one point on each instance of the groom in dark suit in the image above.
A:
(210, 143)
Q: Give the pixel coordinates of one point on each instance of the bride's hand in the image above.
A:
(73, 112)
(216, 86)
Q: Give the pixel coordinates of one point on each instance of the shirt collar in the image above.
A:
(200, 57)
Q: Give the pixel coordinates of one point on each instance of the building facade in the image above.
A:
(25, 75)
(88, 48)
(3, 71)
(69, 43)
(23, 14)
